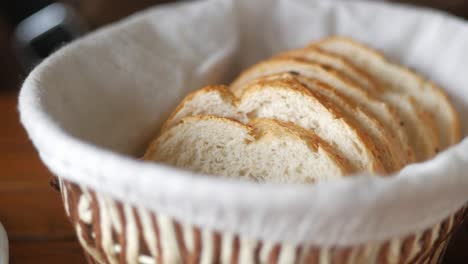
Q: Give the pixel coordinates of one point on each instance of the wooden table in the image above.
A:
(30, 210)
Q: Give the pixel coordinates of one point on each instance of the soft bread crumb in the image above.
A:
(264, 150)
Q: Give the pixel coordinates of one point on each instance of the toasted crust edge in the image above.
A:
(295, 85)
(372, 86)
(455, 130)
(239, 85)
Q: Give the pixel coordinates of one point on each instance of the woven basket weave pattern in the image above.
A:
(114, 232)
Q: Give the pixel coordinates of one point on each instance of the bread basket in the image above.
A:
(92, 107)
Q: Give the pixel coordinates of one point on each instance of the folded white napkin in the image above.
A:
(103, 97)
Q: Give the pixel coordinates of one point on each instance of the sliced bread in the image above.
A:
(413, 119)
(287, 100)
(337, 63)
(386, 114)
(419, 125)
(214, 100)
(398, 78)
(264, 150)
(386, 146)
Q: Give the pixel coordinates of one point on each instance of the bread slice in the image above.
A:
(214, 100)
(386, 114)
(420, 126)
(398, 78)
(337, 63)
(385, 144)
(264, 150)
(415, 121)
(287, 100)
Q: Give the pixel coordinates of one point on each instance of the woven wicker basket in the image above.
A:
(92, 107)
(114, 232)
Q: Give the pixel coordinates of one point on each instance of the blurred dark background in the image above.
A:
(30, 211)
(96, 13)
(93, 14)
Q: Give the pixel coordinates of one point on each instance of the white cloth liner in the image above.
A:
(3, 246)
(94, 102)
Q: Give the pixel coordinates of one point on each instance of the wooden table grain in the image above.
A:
(30, 210)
